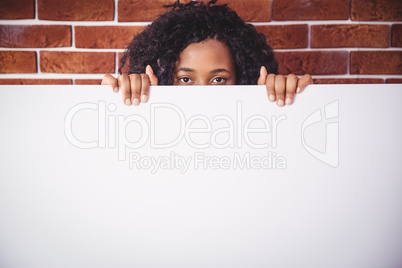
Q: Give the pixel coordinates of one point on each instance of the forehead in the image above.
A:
(210, 52)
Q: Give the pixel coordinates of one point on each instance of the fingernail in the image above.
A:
(128, 102)
(288, 101)
(136, 102)
(271, 97)
(144, 98)
(116, 89)
(261, 70)
(298, 90)
(280, 102)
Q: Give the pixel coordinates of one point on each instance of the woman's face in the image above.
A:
(206, 63)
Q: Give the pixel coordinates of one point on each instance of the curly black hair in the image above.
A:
(161, 42)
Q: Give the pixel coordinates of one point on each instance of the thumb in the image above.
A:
(263, 76)
(152, 77)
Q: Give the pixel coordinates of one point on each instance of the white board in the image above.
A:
(240, 182)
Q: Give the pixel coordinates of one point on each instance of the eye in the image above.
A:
(218, 80)
(185, 80)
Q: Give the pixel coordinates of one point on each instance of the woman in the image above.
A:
(201, 44)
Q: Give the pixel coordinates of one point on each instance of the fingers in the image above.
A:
(270, 84)
(152, 77)
(125, 86)
(263, 76)
(303, 82)
(291, 83)
(282, 89)
(136, 85)
(108, 79)
(139, 84)
(145, 83)
(280, 86)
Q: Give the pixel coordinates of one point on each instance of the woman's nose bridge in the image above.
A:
(202, 82)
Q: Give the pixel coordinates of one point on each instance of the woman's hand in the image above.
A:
(282, 89)
(134, 87)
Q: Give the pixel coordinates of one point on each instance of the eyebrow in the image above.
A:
(220, 71)
(184, 69)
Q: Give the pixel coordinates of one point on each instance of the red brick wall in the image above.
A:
(77, 41)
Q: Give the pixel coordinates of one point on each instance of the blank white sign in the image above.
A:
(200, 177)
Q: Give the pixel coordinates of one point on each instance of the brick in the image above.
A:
(35, 36)
(77, 62)
(14, 10)
(139, 10)
(376, 10)
(394, 81)
(396, 35)
(76, 10)
(87, 81)
(315, 62)
(35, 82)
(348, 81)
(105, 36)
(18, 62)
(285, 36)
(376, 62)
(355, 35)
(310, 10)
